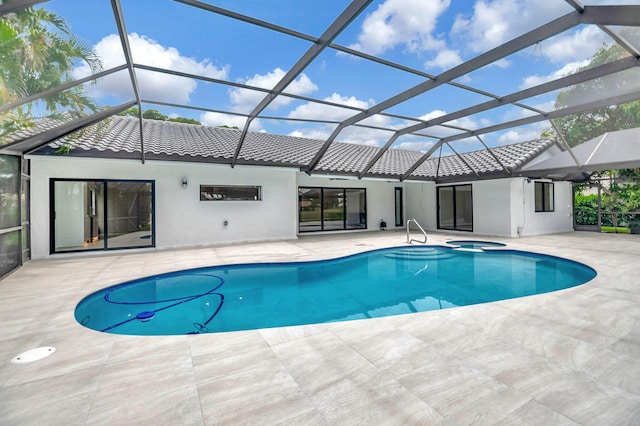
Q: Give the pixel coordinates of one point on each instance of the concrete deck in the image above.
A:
(564, 358)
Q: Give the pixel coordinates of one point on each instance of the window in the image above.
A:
(544, 196)
(455, 208)
(398, 206)
(331, 209)
(101, 214)
(230, 193)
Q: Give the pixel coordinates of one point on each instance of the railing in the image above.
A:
(409, 239)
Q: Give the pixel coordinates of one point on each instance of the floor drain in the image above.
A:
(33, 355)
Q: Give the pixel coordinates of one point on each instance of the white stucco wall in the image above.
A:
(181, 218)
(421, 204)
(492, 207)
(537, 223)
(506, 208)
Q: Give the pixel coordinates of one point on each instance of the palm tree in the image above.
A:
(38, 51)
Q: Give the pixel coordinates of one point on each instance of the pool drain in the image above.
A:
(33, 355)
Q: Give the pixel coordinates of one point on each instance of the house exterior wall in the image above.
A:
(421, 202)
(501, 207)
(506, 208)
(181, 218)
(492, 213)
(538, 223)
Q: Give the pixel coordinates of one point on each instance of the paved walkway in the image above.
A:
(564, 358)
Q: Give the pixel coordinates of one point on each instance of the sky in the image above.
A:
(430, 36)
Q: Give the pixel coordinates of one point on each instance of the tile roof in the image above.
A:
(119, 137)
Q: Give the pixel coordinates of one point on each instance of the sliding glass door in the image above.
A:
(101, 214)
(331, 209)
(455, 208)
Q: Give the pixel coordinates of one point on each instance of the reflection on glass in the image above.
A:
(356, 209)
(9, 191)
(129, 214)
(464, 208)
(333, 209)
(445, 210)
(309, 209)
(78, 216)
(10, 252)
(455, 207)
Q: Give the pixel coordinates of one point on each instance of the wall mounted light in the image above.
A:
(184, 183)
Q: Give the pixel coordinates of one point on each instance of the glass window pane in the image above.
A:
(333, 212)
(26, 166)
(539, 196)
(464, 208)
(398, 205)
(10, 252)
(310, 209)
(230, 193)
(129, 214)
(548, 197)
(445, 207)
(26, 242)
(356, 208)
(78, 215)
(9, 191)
(24, 199)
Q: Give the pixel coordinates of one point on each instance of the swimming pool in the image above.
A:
(372, 284)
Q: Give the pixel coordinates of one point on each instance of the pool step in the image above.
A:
(422, 254)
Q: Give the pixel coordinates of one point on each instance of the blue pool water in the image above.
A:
(377, 283)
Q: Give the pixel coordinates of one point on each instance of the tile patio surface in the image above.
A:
(563, 358)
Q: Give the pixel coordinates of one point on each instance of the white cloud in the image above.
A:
(423, 146)
(573, 46)
(433, 114)
(317, 133)
(217, 119)
(319, 111)
(464, 122)
(244, 100)
(502, 63)
(355, 135)
(155, 86)
(444, 59)
(494, 22)
(365, 136)
(312, 110)
(409, 23)
(522, 134)
(514, 136)
(352, 134)
(534, 80)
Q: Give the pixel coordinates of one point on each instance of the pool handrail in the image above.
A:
(409, 239)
